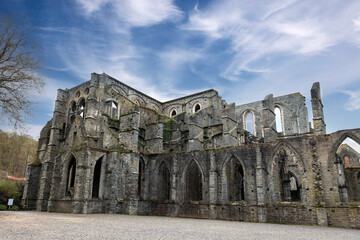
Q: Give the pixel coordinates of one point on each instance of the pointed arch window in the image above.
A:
(278, 119)
(73, 106)
(290, 188)
(173, 112)
(71, 174)
(193, 183)
(82, 107)
(235, 180)
(359, 177)
(164, 182)
(196, 107)
(96, 179)
(249, 122)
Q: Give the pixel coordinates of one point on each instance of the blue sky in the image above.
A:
(168, 49)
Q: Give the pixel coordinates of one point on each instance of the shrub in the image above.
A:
(11, 189)
(14, 208)
(2, 207)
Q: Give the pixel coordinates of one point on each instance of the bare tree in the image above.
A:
(18, 76)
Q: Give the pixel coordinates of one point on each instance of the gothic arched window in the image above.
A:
(193, 182)
(249, 122)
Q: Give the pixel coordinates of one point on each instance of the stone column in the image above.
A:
(268, 115)
(213, 186)
(260, 186)
(49, 160)
(341, 180)
(317, 109)
(174, 188)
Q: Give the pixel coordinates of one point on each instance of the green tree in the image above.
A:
(18, 76)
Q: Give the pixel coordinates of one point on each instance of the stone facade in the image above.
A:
(111, 148)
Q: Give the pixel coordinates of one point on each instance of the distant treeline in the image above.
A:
(14, 149)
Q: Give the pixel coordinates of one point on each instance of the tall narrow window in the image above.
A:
(164, 182)
(73, 106)
(96, 179)
(348, 180)
(249, 122)
(193, 183)
(82, 108)
(235, 180)
(71, 173)
(141, 179)
(114, 110)
(294, 188)
(278, 119)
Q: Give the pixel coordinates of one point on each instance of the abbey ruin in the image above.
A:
(111, 148)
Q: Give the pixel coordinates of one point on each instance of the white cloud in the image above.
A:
(260, 29)
(135, 12)
(354, 102)
(176, 57)
(356, 23)
(91, 6)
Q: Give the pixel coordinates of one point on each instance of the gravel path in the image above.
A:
(42, 225)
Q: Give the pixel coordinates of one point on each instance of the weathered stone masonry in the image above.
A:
(111, 148)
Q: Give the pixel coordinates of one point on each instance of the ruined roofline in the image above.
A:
(175, 99)
(137, 91)
(191, 95)
(275, 98)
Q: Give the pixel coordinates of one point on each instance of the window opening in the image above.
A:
(114, 110)
(141, 179)
(278, 120)
(249, 122)
(235, 180)
(82, 108)
(96, 179)
(173, 113)
(77, 95)
(193, 182)
(197, 107)
(294, 188)
(71, 177)
(164, 182)
(346, 167)
(73, 106)
(290, 189)
(87, 90)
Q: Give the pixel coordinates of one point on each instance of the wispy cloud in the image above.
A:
(136, 13)
(260, 29)
(176, 57)
(354, 100)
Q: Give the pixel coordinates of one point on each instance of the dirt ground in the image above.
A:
(42, 225)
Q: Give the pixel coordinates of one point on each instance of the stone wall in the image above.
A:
(111, 148)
